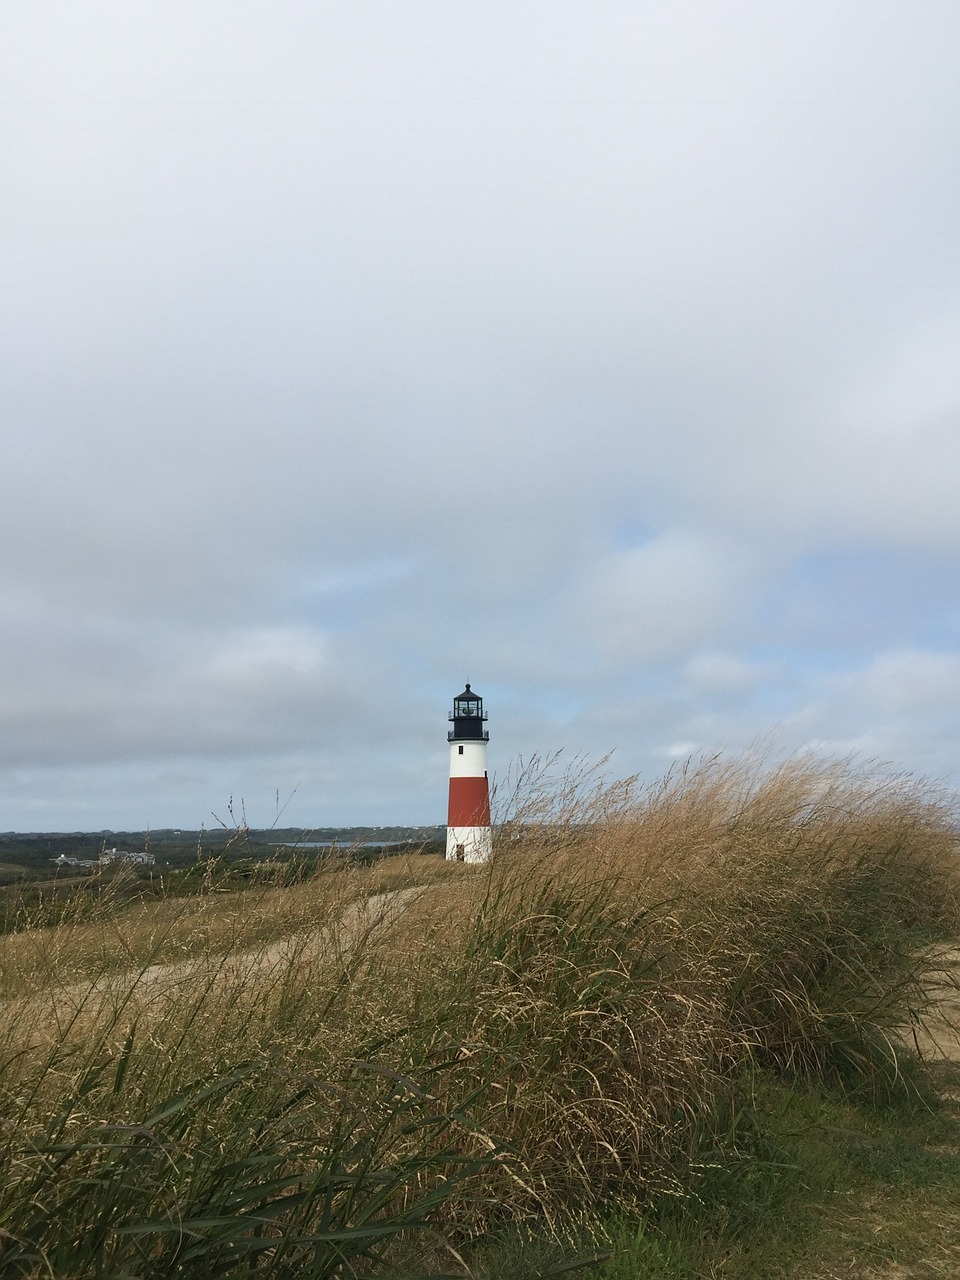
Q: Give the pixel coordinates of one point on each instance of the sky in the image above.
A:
(605, 355)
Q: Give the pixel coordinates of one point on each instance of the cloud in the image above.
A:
(284, 657)
(906, 683)
(663, 599)
(678, 750)
(718, 673)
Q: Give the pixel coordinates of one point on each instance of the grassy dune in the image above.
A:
(623, 1045)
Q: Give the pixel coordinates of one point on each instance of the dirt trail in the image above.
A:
(373, 913)
(358, 921)
(937, 1037)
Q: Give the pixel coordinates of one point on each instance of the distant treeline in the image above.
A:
(33, 852)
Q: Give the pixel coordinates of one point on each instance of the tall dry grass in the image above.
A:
(573, 1027)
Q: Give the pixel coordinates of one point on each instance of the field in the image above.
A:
(698, 1029)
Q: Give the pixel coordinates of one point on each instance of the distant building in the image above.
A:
(128, 857)
(64, 861)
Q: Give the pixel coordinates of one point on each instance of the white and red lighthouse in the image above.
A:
(468, 813)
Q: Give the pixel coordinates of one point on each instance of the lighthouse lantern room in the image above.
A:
(468, 812)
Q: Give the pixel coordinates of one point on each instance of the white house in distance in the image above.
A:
(124, 856)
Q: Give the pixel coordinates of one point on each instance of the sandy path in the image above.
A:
(938, 1036)
(360, 921)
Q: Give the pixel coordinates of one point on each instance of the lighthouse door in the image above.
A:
(460, 852)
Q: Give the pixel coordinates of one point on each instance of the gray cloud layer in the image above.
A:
(603, 355)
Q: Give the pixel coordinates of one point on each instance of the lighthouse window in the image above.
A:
(460, 749)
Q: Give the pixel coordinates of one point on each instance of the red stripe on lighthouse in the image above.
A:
(469, 803)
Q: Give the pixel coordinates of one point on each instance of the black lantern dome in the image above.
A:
(468, 716)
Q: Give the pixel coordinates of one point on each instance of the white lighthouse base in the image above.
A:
(469, 844)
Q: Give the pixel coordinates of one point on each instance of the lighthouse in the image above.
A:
(468, 813)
